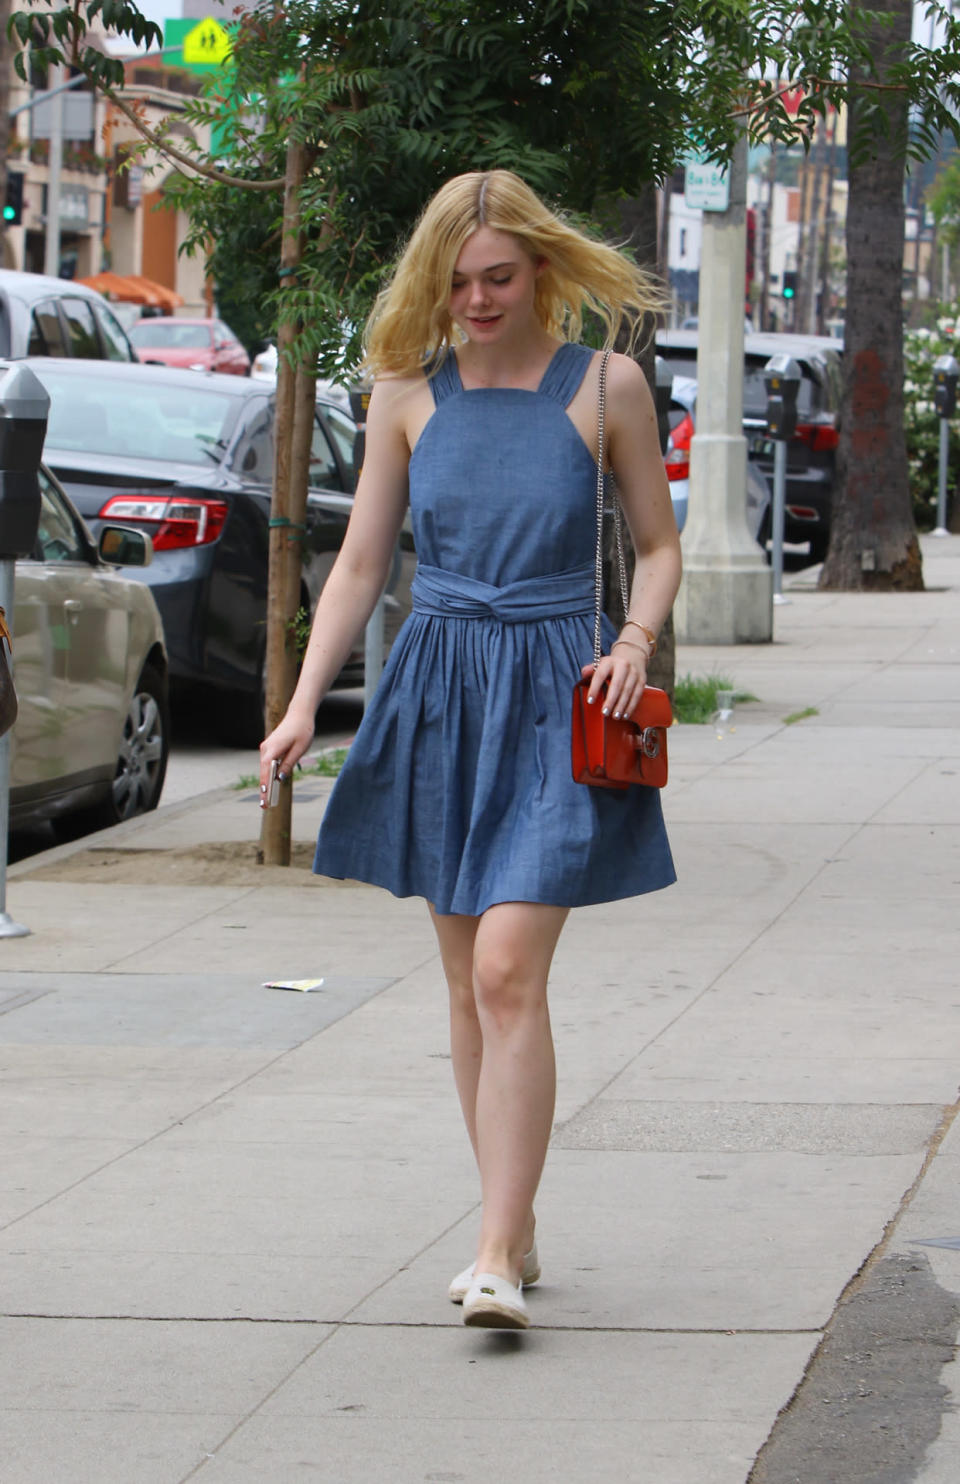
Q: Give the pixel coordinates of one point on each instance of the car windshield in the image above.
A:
(135, 418)
(148, 334)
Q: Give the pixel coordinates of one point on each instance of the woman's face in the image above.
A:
(492, 291)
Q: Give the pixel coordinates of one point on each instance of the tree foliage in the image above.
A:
(587, 99)
(943, 199)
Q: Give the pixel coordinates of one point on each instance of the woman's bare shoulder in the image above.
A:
(625, 375)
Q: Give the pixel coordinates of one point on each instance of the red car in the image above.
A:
(189, 344)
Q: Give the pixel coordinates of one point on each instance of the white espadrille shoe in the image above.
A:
(494, 1303)
(529, 1276)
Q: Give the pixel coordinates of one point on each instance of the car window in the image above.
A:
(324, 469)
(136, 417)
(253, 456)
(114, 340)
(343, 431)
(81, 329)
(148, 334)
(46, 331)
(58, 535)
(223, 332)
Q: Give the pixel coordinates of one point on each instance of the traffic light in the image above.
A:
(13, 206)
(790, 284)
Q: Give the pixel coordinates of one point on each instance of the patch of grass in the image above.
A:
(327, 765)
(695, 697)
(788, 721)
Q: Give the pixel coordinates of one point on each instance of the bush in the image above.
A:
(920, 349)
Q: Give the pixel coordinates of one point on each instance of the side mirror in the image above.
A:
(125, 546)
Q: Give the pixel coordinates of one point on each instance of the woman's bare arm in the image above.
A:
(634, 450)
(359, 573)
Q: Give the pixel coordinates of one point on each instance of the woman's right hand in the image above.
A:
(285, 746)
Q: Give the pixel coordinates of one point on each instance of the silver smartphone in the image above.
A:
(272, 794)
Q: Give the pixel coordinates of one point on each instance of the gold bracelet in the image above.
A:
(651, 636)
(647, 653)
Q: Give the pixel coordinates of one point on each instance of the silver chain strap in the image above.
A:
(617, 518)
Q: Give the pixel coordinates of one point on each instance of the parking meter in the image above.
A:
(24, 406)
(663, 391)
(946, 372)
(359, 402)
(782, 377)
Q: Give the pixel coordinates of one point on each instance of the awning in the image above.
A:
(130, 288)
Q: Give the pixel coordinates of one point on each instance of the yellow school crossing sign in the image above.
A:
(207, 42)
(205, 46)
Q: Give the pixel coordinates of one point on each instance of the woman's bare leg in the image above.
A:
(513, 948)
(456, 935)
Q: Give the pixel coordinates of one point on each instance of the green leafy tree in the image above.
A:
(943, 199)
(921, 349)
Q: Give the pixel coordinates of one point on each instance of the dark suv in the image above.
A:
(811, 452)
(43, 316)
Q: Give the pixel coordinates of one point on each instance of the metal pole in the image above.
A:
(779, 517)
(51, 248)
(8, 928)
(373, 652)
(941, 529)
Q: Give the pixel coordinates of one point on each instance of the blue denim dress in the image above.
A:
(458, 786)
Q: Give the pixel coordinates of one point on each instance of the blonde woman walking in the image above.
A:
(458, 786)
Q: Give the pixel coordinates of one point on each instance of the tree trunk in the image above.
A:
(639, 222)
(283, 579)
(873, 542)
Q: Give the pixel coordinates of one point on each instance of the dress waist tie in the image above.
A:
(446, 594)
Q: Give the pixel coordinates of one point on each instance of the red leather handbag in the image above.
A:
(609, 751)
(613, 752)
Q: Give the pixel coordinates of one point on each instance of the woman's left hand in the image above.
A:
(623, 672)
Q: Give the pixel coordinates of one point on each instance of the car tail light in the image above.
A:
(820, 437)
(676, 460)
(803, 512)
(170, 522)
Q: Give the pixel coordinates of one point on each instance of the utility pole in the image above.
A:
(812, 272)
(726, 596)
(767, 239)
(51, 245)
(827, 242)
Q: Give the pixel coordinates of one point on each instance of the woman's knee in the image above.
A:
(505, 984)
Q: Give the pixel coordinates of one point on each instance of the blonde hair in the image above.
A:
(410, 325)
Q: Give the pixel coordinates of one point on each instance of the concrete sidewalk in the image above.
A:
(228, 1214)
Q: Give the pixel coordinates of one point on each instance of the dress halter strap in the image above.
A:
(445, 381)
(565, 372)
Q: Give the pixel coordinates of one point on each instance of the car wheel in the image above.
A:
(141, 763)
(240, 717)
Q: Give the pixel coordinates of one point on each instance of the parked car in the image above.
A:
(189, 459)
(811, 453)
(264, 368)
(681, 418)
(90, 744)
(192, 344)
(43, 316)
